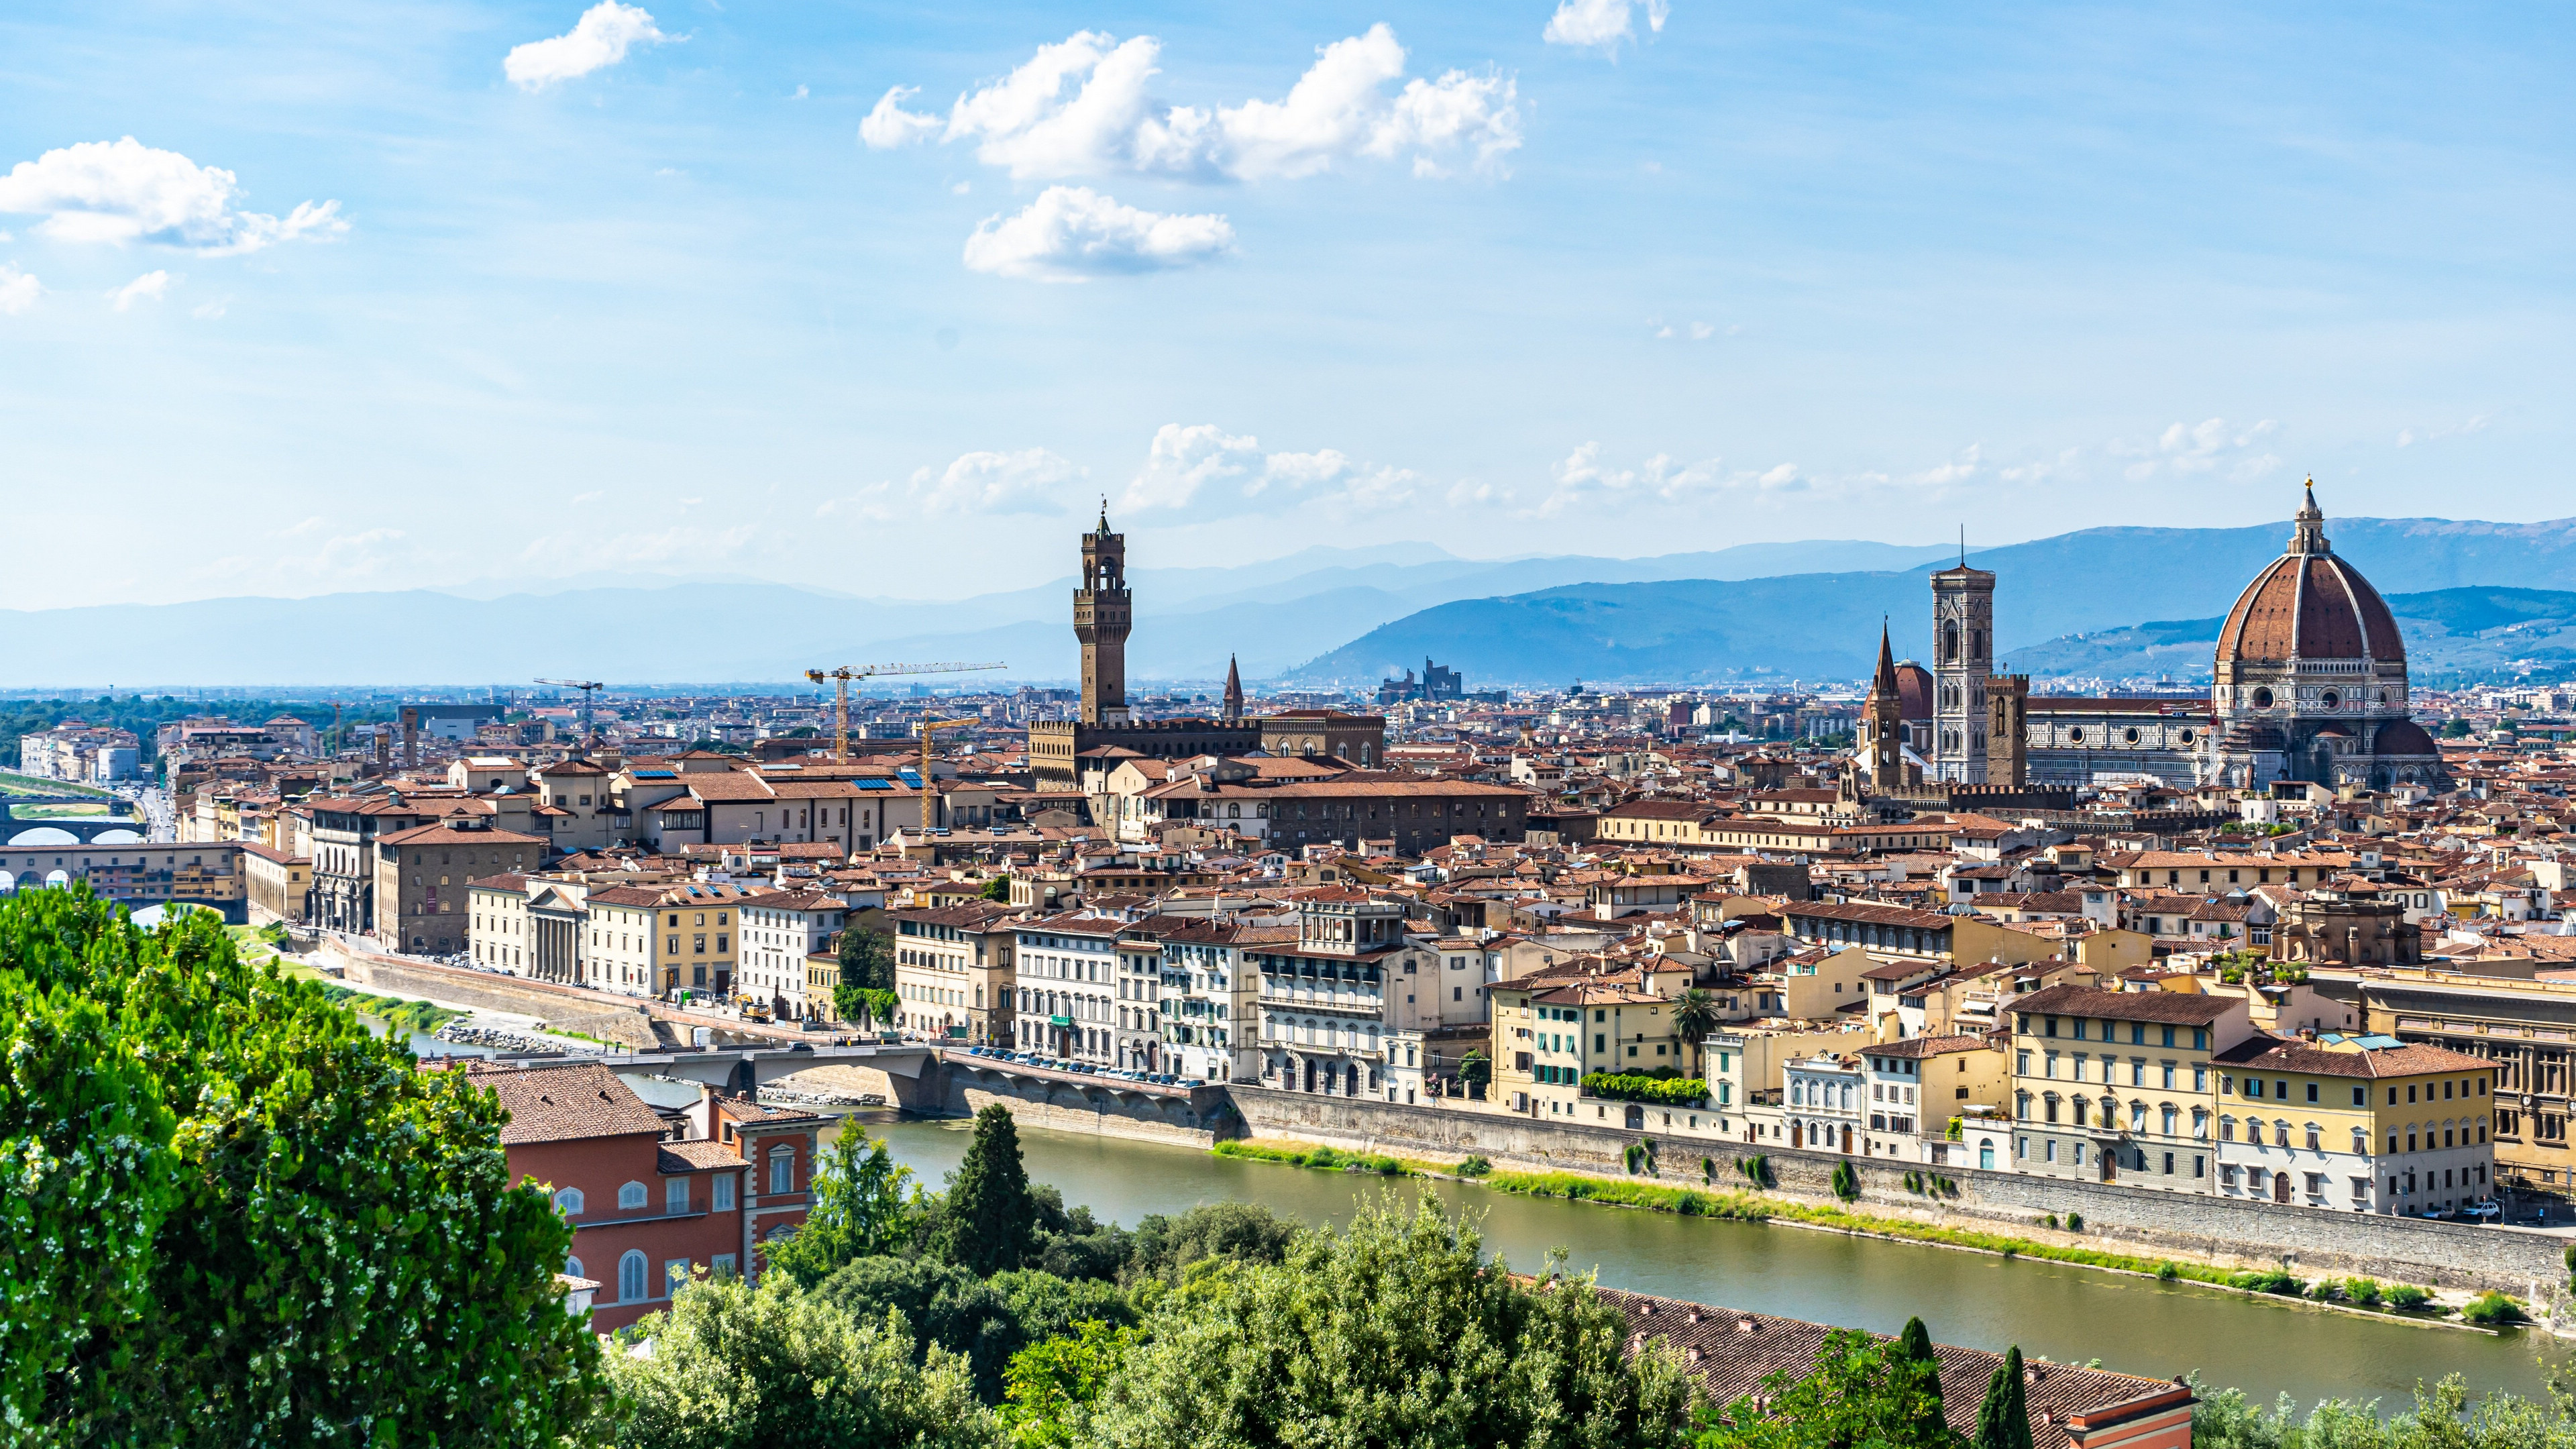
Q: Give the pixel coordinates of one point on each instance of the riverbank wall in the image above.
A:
(562, 1008)
(2145, 1222)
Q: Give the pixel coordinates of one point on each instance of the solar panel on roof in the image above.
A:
(657, 774)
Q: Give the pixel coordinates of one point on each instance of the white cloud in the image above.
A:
(2185, 449)
(18, 291)
(1080, 108)
(211, 311)
(1583, 478)
(599, 39)
(123, 191)
(150, 287)
(890, 125)
(1028, 481)
(2409, 437)
(1957, 470)
(1073, 234)
(1601, 24)
(1210, 472)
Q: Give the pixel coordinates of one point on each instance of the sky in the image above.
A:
(300, 298)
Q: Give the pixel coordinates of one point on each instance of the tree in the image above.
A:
(2003, 1420)
(734, 1367)
(998, 889)
(235, 1216)
(860, 1210)
(1053, 1383)
(1932, 1421)
(1474, 1072)
(989, 1218)
(1694, 1017)
(1396, 1330)
(867, 959)
(1862, 1391)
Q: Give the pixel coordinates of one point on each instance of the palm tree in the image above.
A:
(1694, 1019)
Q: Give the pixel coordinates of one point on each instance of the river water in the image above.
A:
(2067, 1314)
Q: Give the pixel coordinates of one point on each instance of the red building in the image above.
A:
(653, 1195)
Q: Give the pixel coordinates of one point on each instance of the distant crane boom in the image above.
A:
(842, 676)
(588, 687)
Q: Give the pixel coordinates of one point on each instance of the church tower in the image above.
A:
(2008, 730)
(1233, 692)
(1102, 616)
(1963, 641)
(1883, 725)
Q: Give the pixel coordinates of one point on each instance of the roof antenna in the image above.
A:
(1963, 545)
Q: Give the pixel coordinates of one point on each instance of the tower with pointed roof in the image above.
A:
(1883, 723)
(1963, 640)
(1233, 692)
(1103, 613)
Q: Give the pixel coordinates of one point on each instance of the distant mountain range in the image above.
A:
(1825, 625)
(630, 629)
(2449, 633)
(1808, 609)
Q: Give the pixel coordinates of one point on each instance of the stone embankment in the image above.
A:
(462, 1033)
(2231, 1233)
(775, 1095)
(592, 1013)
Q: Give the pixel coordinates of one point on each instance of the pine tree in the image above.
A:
(1914, 1349)
(986, 1224)
(2003, 1421)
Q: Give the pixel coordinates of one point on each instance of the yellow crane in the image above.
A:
(929, 790)
(842, 676)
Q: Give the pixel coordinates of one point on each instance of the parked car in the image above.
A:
(2489, 1209)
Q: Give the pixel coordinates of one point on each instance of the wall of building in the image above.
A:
(2231, 1233)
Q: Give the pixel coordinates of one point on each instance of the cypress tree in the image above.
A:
(2003, 1421)
(989, 1217)
(1931, 1422)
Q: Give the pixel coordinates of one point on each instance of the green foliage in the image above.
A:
(395, 1011)
(1475, 1072)
(1640, 1087)
(2049, 1221)
(865, 1004)
(984, 1321)
(733, 1367)
(2492, 1310)
(235, 1216)
(1394, 1331)
(2075, 1222)
(1238, 1231)
(2443, 1417)
(1846, 1182)
(2003, 1417)
(997, 889)
(860, 1210)
(2406, 1297)
(1475, 1165)
(1862, 1391)
(988, 1219)
(1695, 1016)
(2167, 1272)
(146, 716)
(2271, 1280)
(1327, 1159)
(1055, 1382)
(867, 961)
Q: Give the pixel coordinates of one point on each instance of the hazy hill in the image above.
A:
(2449, 632)
(1825, 624)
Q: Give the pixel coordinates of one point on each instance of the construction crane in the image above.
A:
(842, 676)
(588, 687)
(929, 790)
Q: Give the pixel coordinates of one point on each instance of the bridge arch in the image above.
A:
(44, 835)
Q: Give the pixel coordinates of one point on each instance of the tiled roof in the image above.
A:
(2292, 1054)
(697, 1156)
(2176, 1007)
(566, 1103)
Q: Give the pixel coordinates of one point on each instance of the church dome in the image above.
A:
(1914, 689)
(2309, 604)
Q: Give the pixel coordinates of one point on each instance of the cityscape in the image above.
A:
(577, 886)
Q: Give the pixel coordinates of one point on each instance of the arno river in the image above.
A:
(2067, 1314)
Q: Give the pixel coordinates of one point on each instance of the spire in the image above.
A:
(1233, 690)
(1104, 515)
(1885, 682)
(2308, 525)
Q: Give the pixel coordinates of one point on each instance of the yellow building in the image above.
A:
(2354, 1123)
(2120, 1086)
(1550, 1034)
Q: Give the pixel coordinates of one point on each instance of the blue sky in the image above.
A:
(1764, 272)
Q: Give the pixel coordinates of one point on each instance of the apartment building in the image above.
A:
(1209, 1011)
(497, 922)
(277, 882)
(1064, 991)
(2354, 1123)
(2120, 1086)
(654, 940)
(954, 968)
(1917, 1086)
(1328, 1001)
(1826, 1101)
(421, 901)
(779, 930)
(2520, 1029)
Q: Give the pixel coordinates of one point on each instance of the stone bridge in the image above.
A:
(743, 1070)
(83, 828)
(1086, 1102)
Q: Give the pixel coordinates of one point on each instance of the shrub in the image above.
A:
(1708, 1170)
(1846, 1182)
(1638, 1087)
(2075, 1222)
(2406, 1297)
(1475, 1166)
(2364, 1291)
(2166, 1272)
(2049, 1221)
(2271, 1280)
(2492, 1309)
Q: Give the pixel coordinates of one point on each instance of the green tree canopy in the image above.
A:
(733, 1367)
(860, 1210)
(867, 959)
(988, 1218)
(1394, 1331)
(1862, 1393)
(2003, 1419)
(234, 1216)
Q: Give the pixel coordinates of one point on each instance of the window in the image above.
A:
(675, 1195)
(2312, 1091)
(630, 1197)
(568, 1202)
(2360, 1098)
(721, 1266)
(675, 1275)
(630, 1277)
(572, 1268)
(782, 1169)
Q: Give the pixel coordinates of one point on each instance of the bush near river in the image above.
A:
(1666, 1091)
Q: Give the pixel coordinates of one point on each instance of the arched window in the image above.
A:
(782, 1169)
(572, 1268)
(630, 1197)
(568, 1201)
(631, 1280)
